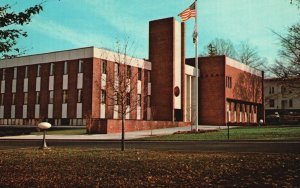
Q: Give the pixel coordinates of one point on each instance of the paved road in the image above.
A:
(184, 146)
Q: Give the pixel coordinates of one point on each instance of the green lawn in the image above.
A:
(241, 133)
(63, 132)
(81, 167)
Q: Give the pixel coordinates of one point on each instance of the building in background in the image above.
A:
(282, 99)
(65, 87)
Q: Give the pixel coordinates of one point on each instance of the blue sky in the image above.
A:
(68, 24)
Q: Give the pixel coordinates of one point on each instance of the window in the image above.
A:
(104, 65)
(65, 67)
(79, 97)
(291, 103)
(15, 72)
(51, 69)
(149, 76)
(284, 104)
(1, 99)
(128, 73)
(26, 72)
(116, 98)
(148, 101)
(103, 96)
(271, 90)
(25, 98)
(139, 102)
(283, 89)
(13, 101)
(117, 69)
(51, 94)
(80, 63)
(128, 99)
(139, 74)
(272, 102)
(228, 82)
(3, 74)
(37, 98)
(65, 96)
(38, 71)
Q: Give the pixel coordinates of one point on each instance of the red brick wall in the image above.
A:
(133, 95)
(161, 57)
(245, 86)
(19, 92)
(31, 90)
(87, 86)
(44, 100)
(72, 88)
(97, 73)
(115, 126)
(8, 92)
(58, 82)
(109, 91)
(212, 90)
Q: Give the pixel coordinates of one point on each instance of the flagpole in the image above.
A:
(196, 62)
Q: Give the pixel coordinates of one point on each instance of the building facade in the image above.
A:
(66, 87)
(229, 92)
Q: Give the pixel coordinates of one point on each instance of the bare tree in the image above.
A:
(249, 56)
(288, 66)
(121, 89)
(245, 53)
(221, 47)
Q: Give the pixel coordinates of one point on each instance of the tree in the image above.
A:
(288, 64)
(221, 47)
(249, 56)
(121, 88)
(244, 53)
(10, 30)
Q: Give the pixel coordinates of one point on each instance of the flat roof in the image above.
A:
(73, 54)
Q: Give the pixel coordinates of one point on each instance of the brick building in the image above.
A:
(63, 87)
(229, 92)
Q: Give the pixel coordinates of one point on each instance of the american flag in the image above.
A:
(188, 13)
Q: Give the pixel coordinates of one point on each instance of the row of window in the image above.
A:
(128, 101)
(63, 121)
(283, 90)
(80, 63)
(65, 98)
(38, 72)
(37, 97)
(283, 103)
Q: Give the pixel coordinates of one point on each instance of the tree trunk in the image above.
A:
(123, 134)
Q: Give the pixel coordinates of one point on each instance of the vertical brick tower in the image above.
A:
(166, 52)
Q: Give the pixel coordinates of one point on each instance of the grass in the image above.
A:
(139, 168)
(241, 133)
(63, 132)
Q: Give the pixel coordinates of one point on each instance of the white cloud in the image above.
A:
(66, 34)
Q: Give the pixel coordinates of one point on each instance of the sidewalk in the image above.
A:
(113, 136)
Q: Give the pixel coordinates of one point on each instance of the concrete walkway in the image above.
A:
(115, 136)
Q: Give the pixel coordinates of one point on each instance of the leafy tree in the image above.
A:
(10, 29)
